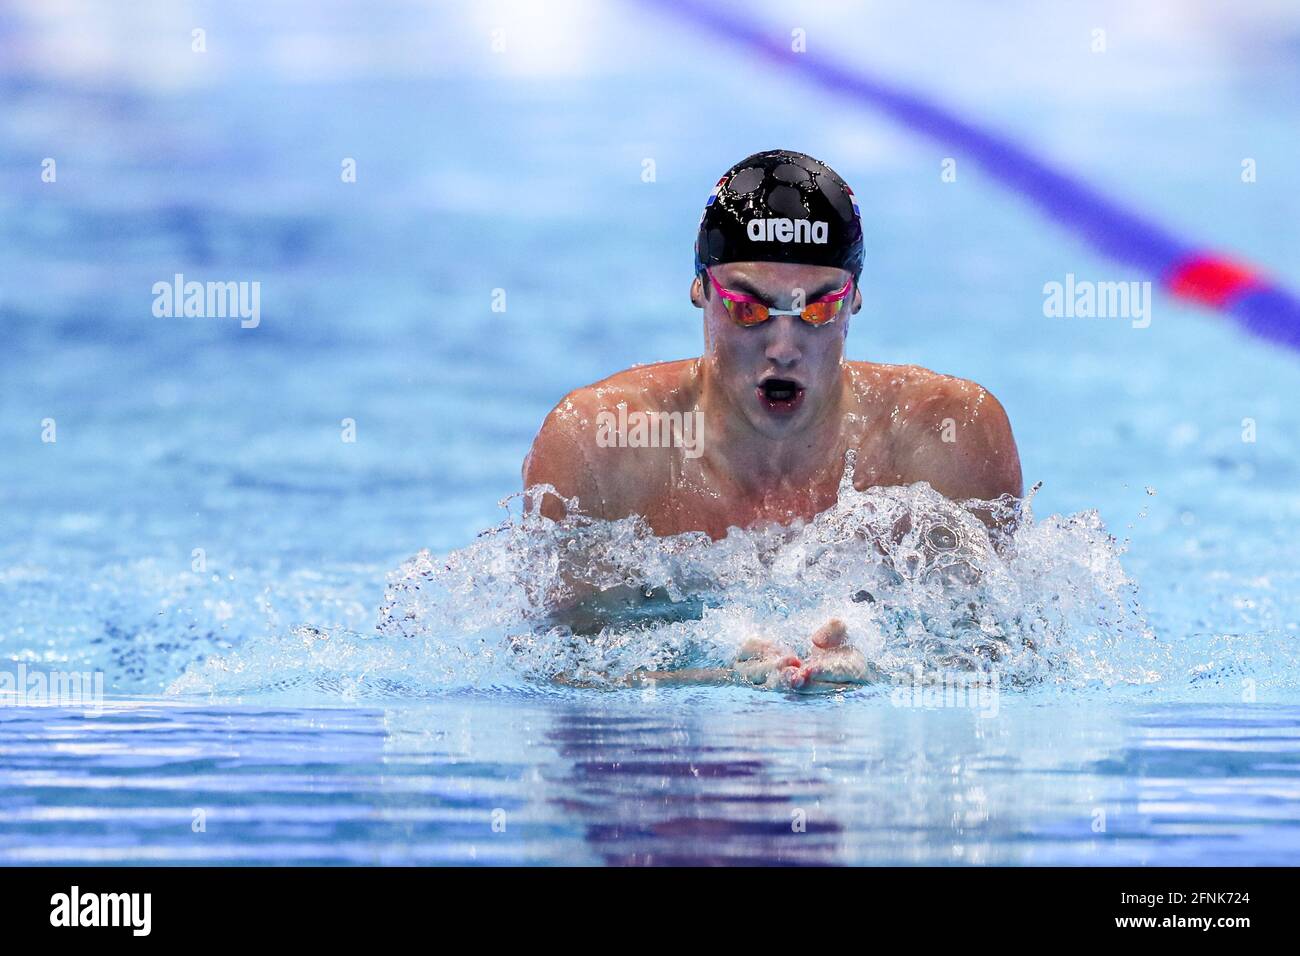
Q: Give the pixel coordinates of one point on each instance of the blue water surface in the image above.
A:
(200, 497)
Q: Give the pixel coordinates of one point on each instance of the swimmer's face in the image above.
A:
(781, 373)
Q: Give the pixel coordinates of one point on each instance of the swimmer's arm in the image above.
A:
(959, 440)
(558, 458)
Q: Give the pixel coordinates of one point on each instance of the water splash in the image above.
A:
(920, 581)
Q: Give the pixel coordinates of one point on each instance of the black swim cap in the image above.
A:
(781, 206)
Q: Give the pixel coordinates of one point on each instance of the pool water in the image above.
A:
(202, 533)
(698, 777)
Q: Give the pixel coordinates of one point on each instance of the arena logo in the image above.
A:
(209, 300)
(683, 430)
(1084, 299)
(788, 230)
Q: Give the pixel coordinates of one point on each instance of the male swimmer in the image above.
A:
(777, 262)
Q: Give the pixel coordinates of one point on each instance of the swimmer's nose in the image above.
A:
(783, 348)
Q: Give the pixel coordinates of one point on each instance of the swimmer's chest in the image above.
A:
(677, 493)
(696, 503)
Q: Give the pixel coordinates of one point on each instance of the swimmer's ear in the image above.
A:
(857, 299)
(697, 293)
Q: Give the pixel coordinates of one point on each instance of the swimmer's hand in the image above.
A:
(767, 664)
(834, 660)
(832, 664)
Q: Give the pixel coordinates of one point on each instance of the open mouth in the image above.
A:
(780, 394)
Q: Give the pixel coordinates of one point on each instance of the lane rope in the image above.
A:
(1184, 269)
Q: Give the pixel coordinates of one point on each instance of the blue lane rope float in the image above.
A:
(1180, 267)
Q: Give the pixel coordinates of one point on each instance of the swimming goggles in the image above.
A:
(747, 310)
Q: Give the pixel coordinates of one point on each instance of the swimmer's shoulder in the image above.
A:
(912, 393)
(567, 452)
(640, 388)
(659, 386)
(942, 422)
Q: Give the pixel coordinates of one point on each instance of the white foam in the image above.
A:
(1048, 602)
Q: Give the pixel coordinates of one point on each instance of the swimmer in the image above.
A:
(755, 430)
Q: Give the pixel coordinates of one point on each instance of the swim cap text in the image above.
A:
(788, 230)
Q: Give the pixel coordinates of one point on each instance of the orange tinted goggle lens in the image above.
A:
(819, 313)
